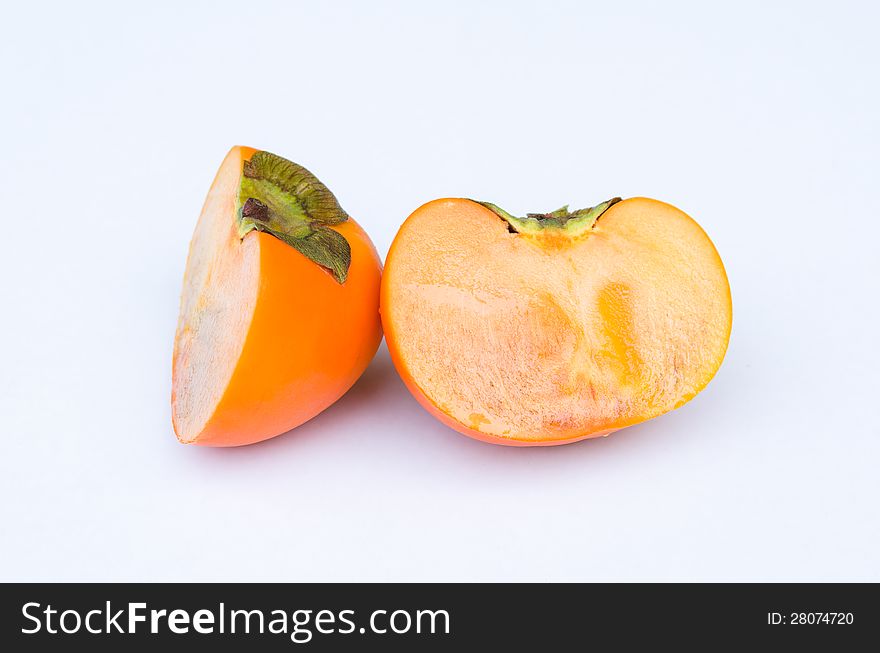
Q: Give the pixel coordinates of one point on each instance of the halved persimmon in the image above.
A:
(279, 311)
(555, 327)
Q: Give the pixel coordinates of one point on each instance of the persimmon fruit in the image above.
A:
(554, 327)
(279, 310)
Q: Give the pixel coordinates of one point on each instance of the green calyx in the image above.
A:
(561, 221)
(281, 198)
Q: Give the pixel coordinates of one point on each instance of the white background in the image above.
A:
(760, 120)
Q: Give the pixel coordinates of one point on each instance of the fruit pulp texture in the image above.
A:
(546, 339)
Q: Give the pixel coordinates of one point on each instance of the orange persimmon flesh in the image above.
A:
(266, 338)
(546, 338)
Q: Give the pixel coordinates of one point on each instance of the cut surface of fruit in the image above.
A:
(217, 303)
(554, 327)
(273, 327)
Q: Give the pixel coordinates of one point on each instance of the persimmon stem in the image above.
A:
(255, 209)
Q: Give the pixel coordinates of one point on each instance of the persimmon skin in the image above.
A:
(480, 232)
(309, 339)
(307, 368)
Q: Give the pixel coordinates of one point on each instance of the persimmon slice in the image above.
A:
(279, 310)
(554, 327)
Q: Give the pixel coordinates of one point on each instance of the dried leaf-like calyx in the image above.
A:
(281, 198)
(570, 223)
